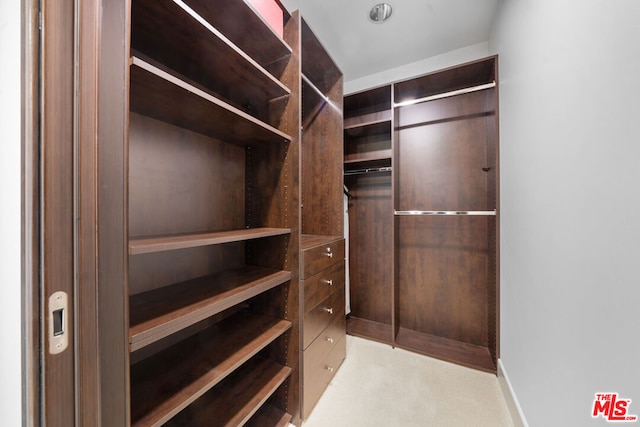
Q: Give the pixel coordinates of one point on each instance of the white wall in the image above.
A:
(570, 189)
(10, 178)
(418, 68)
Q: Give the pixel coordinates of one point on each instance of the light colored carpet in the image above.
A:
(385, 387)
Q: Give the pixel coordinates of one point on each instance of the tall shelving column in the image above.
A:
(322, 302)
(213, 218)
(368, 170)
(446, 214)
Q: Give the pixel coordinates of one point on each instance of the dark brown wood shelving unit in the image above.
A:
(426, 283)
(166, 383)
(191, 46)
(167, 243)
(213, 215)
(237, 399)
(160, 95)
(322, 240)
(161, 312)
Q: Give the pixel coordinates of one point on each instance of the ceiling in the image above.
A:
(417, 29)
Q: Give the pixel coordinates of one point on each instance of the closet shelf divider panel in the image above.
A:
(172, 33)
(161, 312)
(167, 382)
(238, 399)
(160, 95)
(167, 243)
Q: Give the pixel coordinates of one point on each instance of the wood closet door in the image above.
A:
(443, 261)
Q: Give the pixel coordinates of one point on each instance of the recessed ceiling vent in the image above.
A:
(380, 13)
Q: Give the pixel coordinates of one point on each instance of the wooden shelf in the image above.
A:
(369, 156)
(160, 95)
(454, 78)
(159, 313)
(380, 126)
(167, 243)
(368, 103)
(237, 399)
(232, 18)
(270, 416)
(173, 34)
(167, 382)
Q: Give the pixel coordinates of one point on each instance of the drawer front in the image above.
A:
(319, 286)
(320, 257)
(317, 319)
(318, 373)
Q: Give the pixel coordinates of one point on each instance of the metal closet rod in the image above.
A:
(476, 213)
(446, 94)
(367, 170)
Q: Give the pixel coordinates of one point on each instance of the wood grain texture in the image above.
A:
(269, 415)
(371, 246)
(169, 35)
(159, 313)
(453, 78)
(57, 204)
(470, 355)
(113, 122)
(322, 284)
(236, 400)
(168, 243)
(31, 326)
(369, 329)
(168, 382)
(317, 64)
(316, 319)
(162, 96)
(360, 105)
(245, 28)
(319, 378)
(181, 181)
(371, 142)
(328, 251)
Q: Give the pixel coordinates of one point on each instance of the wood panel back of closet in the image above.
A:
(371, 246)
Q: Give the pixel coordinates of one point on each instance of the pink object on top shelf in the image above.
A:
(270, 12)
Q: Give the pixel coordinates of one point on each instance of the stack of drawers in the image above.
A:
(323, 318)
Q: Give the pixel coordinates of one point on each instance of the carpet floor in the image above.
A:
(378, 386)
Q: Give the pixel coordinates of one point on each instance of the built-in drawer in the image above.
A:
(319, 286)
(319, 372)
(316, 319)
(319, 257)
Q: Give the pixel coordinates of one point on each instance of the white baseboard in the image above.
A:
(510, 397)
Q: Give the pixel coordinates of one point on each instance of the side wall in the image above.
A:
(10, 184)
(570, 192)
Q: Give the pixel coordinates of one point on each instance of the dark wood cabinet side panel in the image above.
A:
(112, 164)
(57, 205)
(371, 246)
